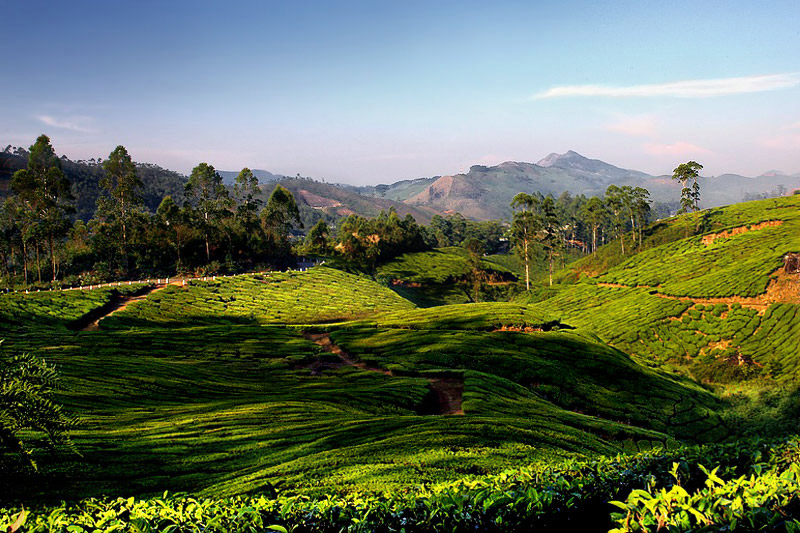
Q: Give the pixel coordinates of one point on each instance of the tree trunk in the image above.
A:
(124, 236)
(14, 262)
(527, 269)
(25, 261)
(594, 239)
(551, 267)
(208, 250)
(52, 255)
(622, 240)
(125, 248)
(640, 234)
(38, 265)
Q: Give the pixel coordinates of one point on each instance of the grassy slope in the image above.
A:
(437, 277)
(443, 265)
(53, 309)
(221, 402)
(320, 295)
(673, 258)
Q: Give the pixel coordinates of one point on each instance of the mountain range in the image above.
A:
(482, 193)
(485, 192)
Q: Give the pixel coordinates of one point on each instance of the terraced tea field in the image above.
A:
(219, 388)
(438, 277)
(319, 295)
(440, 266)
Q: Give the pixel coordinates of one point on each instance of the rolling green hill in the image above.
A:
(441, 276)
(204, 388)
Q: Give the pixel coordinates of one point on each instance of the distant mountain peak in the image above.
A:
(573, 161)
(774, 172)
(570, 158)
(550, 160)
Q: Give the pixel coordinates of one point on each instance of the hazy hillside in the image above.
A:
(315, 199)
(264, 176)
(324, 200)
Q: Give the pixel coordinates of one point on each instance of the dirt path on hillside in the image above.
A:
(91, 320)
(444, 395)
(784, 288)
(711, 237)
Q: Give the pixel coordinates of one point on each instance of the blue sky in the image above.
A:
(369, 92)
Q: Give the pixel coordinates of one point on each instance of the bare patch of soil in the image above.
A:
(444, 397)
(784, 288)
(526, 329)
(401, 283)
(316, 201)
(710, 238)
(723, 344)
(621, 286)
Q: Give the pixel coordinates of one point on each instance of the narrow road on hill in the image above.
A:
(445, 393)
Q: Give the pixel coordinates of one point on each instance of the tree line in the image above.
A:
(215, 228)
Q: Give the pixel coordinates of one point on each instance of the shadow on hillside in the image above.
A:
(117, 323)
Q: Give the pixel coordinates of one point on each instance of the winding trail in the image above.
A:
(444, 395)
(91, 320)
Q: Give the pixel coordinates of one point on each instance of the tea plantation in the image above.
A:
(325, 401)
(440, 277)
(718, 305)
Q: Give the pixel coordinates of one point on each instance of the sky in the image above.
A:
(374, 92)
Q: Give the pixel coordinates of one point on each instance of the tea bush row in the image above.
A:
(738, 487)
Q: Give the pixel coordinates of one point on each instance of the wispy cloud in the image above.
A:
(78, 123)
(680, 148)
(793, 126)
(681, 89)
(635, 126)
